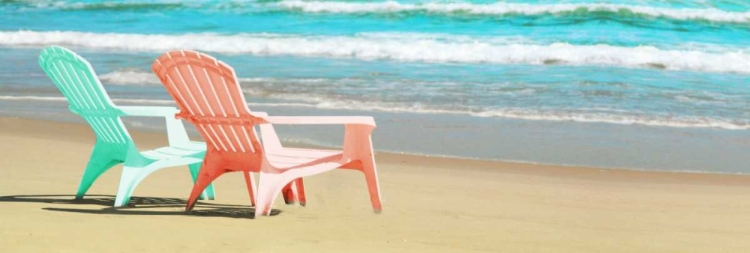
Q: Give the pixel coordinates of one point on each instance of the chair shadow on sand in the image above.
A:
(137, 206)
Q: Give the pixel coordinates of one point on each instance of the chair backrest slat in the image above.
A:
(73, 78)
(77, 81)
(206, 88)
(97, 95)
(97, 129)
(60, 78)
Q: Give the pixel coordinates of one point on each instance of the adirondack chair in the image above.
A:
(208, 95)
(86, 96)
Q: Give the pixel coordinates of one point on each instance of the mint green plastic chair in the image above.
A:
(86, 97)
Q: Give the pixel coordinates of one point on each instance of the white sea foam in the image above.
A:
(586, 115)
(62, 99)
(68, 5)
(129, 77)
(31, 98)
(509, 113)
(623, 119)
(710, 14)
(399, 47)
(133, 77)
(439, 8)
(571, 116)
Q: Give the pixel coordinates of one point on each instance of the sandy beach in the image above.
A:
(430, 205)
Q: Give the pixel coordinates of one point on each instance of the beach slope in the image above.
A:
(430, 205)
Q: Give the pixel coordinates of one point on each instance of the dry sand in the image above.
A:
(430, 205)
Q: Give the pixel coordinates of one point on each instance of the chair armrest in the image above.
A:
(148, 111)
(176, 133)
(321, 120)
(268, 134)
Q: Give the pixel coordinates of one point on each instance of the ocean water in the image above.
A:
(650, 84)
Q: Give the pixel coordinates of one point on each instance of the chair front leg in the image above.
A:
(208, 173)
(209, 193)
(270, 183)
(358, 146)
(100, 162)
(269, 187)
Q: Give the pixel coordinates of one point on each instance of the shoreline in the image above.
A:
(14, 123)
(577, 144)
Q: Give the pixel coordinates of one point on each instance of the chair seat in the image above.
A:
(165, 153)
(290, 157)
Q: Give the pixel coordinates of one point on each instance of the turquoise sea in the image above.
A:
(649, 84)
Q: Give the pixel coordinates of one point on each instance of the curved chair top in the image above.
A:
(75, 78)
(209, 95)
(203, 85)
(78, 82)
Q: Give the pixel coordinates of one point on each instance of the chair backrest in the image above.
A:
(209, 96)
(77, 81)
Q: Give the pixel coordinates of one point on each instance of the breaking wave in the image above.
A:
(391, 7)
(500, 9)
(401, 47)
(129, 77)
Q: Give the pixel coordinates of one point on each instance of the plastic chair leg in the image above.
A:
(294, 192)
(128, 181)
(269, 187)
(207, 175)
(373, 186)
(300, 191)
(250, 182)
(96, 167)
(289, 193)
(209, 193)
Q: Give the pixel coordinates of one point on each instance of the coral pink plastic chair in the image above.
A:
(209, 96)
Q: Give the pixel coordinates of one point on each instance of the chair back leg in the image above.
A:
(250, 182)
(300, 187)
